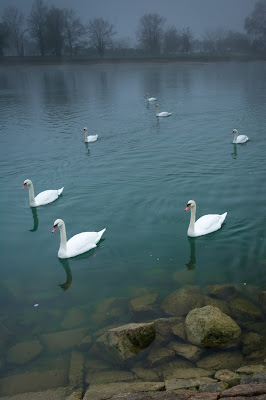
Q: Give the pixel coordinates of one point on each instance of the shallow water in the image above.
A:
(135, 181)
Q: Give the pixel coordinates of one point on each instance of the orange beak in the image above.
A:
(23, 187)
(55, 228)
(188, 207)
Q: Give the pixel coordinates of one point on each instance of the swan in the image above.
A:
(78, 244)
(89, 138)
(150, 99)
(239, 138)
(46, 197)
(163, 113)
(204, 225)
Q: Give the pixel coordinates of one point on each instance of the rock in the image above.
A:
(182, 301)
(221, 360)
(50, 394)
(259, 377)
(97, 378)
(131, 338)
(96, 365)
(110, 310)
(213, 387)
(245, 390)
(24, 352)
(252, 342)
(163, 327)
(74, 318)
(251, 369)
(243, 310)
(172, 371)
(106, 391)
(185, 350)
(76, 370)
(262, 300)
(210, 327)
(176, 384)
(227, 376)
(159, 355)
(63, 340)
(144, 303)
(146, 375)
(86, 343)
(77, 395)
(221, 304)
(32, 382)
(179, 330)
(222, 291)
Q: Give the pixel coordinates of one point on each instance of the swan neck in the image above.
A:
(85, 135)
(63, 237)
(235, 137)
(192, 219)
(31, 195)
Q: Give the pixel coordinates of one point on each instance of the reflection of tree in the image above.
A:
(35, 219)
(65, 265)
(192, 262)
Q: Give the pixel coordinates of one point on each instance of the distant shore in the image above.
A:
(195, 57)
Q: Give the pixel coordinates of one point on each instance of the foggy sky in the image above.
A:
(199, 15)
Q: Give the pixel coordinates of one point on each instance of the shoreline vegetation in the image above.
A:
(195, 57)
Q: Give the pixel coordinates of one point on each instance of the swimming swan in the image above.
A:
(89, 138)
(78, 244)
(239, 138)
(150, 99)
(204, 225)
(46, 197)
(163, 113)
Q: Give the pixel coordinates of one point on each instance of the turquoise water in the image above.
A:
(135, 181)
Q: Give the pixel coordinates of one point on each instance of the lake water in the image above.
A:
(135, 181)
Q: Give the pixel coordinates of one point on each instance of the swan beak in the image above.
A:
(55, 228)
(188, 207)
(23, 187)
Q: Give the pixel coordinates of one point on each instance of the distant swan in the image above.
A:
(150, 99)
(204, 225)
(46, 197)
(78, 244)
(163, 113)
(89, 138)
(239, 138)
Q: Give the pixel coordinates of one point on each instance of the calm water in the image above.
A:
(135, 181)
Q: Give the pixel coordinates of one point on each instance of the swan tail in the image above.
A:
(100, 233)
(60, 191)
(223, 216)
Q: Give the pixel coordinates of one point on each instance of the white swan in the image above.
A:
(78, 244)
(239, 138)
(89, 138)
(163, 113)
(150, 99)
(46, 197)
(204, 225)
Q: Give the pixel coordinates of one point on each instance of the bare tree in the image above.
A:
(37, 24)
(255, 24)
(100, 34)
(14, 20)
(171, 40)
(55, 23)
(73, 29)
(186, 38)
(4, 35)
(150, 32)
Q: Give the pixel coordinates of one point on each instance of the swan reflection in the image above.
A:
(234, 154)
(192, 262)
(35, 219)
(65, 264)
(87, 147)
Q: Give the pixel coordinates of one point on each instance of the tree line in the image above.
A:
(54, 31)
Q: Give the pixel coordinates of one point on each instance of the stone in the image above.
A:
(173, 372)
(176, 384)
(251, 369)
(64, 340)
(259, 377)
(159, 355)
(223, 292)
(252, 342)
(227, 376)
(23, 352)
(221, 360)
(113, 309)
(32, 382)
(244, 310)
(50, 394)
(221, 304)
(210, 327)
(245, 390)
(185, 350)
(163, 327)
(130, 339)
(213, 387)
(76, 369)
(96, 365)
(106, 391)
(262, 300)
(182, 301)
(148, 375)
(74, 318)
(143, 303)
(77, 395)
(179, 330)
(97, 378)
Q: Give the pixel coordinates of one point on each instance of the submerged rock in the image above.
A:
(144, 303)
(182, 301)
(244, 310)
(227, 376)
(221, 360)
(186, 350)
(210, 327)
(130, 339)
(24, 352)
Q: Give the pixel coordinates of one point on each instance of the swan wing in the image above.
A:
(48, 196)
(83, 242)
(164, 114)
(242, 138)
(91, 138)
(209, 223)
